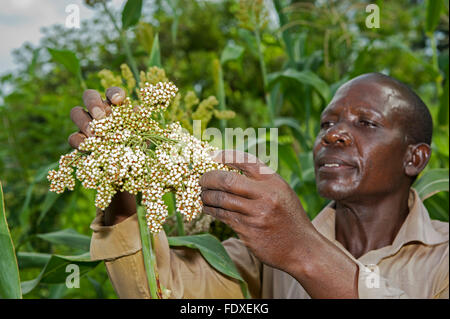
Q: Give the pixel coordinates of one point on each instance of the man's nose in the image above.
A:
(337, 135)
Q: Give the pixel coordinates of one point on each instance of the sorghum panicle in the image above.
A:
(130, 151)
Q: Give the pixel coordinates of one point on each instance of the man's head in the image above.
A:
(374, 139)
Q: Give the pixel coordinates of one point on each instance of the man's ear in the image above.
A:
(417, 157)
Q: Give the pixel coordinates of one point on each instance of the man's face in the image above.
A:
(359, 151)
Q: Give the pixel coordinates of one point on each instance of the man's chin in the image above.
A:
(335, 192)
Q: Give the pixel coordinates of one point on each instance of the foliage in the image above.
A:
(9, 276)
(274, 66)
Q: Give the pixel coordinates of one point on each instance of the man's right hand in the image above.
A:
(123, 204)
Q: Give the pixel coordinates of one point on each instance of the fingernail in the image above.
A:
(98, 113)
(115, 98)
(89, 131)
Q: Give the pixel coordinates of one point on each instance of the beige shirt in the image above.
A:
(415, 265)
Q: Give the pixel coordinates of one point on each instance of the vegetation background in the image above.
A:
(274, 63)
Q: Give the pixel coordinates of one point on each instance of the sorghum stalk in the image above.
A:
(148, 252)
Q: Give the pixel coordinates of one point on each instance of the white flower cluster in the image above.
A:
(158, 96)
(130, 151)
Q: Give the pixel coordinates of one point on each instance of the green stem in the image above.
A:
(221, 96)
(180, 224)
(264, 74)
(125, 43)
(82, 83)
(130, 57)
(436, 63)
(148, 252)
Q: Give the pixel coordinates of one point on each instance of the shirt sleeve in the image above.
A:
(182, 271)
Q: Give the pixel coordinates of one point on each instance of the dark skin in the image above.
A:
(364, 161)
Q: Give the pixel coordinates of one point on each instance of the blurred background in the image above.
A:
(274, 63)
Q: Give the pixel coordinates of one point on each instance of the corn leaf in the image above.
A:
(54, 271)
(444, 101)
(214, 253)
(288, 156)
(32, 259)
(9, 271)
(432, 182)
(437, 206)
(67, 237)
(302, 77)
(47, 204)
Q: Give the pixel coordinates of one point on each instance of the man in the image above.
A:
(374, 240)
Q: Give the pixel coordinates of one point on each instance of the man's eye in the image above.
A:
(367, 123)
(325, 125)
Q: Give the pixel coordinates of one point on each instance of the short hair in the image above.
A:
(418, 124)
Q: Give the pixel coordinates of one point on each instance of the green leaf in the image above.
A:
(307, 164)
(42, 172)
(131, 13)
(214, 253)
(434, 8)
(288, 156)
(444, 102)
(32, 259)
(57, 291)
(288, 121)
(432, 182)
(41, 175)
(231, 52)
(67, 237)
(155, 55)
(249, 39)
(54, 271)
(97, 287)
(68, 59)
(302, 77)
(286, 35)
(144, 35)
(437, 206)
(48, 202)
(9, 271)
(294, 124)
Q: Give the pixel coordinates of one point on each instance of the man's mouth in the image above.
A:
(334, 165)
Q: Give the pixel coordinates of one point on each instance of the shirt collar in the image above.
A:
(417, 227)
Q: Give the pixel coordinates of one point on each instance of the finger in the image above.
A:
(249, 164)
(115, 95)
(226, 201)
(94, 104)
(82, 119)
(230, 218)
(230, 182)
(76, 139)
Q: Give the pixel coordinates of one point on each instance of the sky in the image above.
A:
(21, 21)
